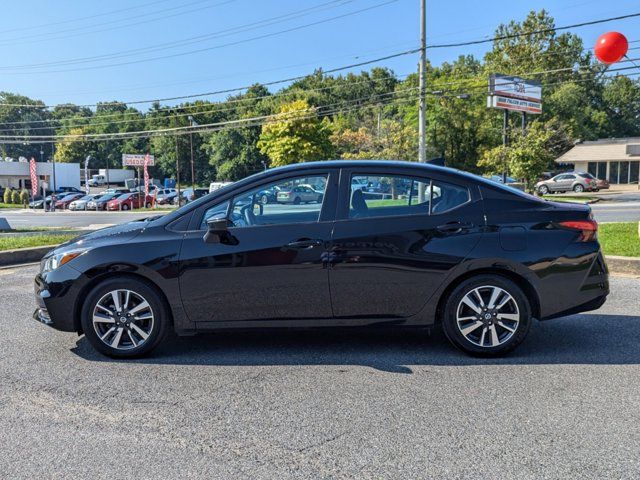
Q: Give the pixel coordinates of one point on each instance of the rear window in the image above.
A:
(396, 195)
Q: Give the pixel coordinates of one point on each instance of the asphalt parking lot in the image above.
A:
(322, 404)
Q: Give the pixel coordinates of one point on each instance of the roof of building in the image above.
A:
(602, 150)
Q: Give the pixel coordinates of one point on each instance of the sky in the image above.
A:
(89, 51)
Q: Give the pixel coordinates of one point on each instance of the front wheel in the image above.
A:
(297, 201)
(124, 318)
(125, 207)
(264, 200)
(487, 315)
(544, 190)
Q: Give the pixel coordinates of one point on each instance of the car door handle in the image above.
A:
(454, 227)
(305, 243)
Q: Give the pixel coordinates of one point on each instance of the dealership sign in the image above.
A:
(514, 93)
(137, 160)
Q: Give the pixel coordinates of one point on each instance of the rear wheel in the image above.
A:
(124, 317)
(578, 188)
(264, 200)
(487, 315)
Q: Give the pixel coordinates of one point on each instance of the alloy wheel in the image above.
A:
(488, 316)
(123, 319)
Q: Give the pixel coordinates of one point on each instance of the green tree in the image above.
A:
(296, 135)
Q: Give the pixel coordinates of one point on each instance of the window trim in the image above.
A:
(346, 175)
(327, 210)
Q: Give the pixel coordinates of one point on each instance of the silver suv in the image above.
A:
(566, 182)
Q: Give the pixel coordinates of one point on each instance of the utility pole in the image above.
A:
(422, 114)
(422, 117)
(193, 175)
(177, 168)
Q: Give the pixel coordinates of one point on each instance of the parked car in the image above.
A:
(511, 182)
(129, 201)
(269, 195)
(190, 194)
(39, 202)
(101, 202)
(480, 259)
(602, 184)
(299, 194)
(565, 182)
(116, 190)
(61, 190)
(67, 199)
(81, 203)
(165, 196)
(217, 185)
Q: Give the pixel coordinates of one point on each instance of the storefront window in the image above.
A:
(633, 172)
(624, 172)
(613, 172)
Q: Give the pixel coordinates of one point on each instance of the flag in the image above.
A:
(34, 177)
(146, 176)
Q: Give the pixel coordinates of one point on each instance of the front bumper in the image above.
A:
(55, 297)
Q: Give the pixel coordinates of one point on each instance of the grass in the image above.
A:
(10, 205)
(387, 203)
(619, 239)
(10, 243)
(568, 198)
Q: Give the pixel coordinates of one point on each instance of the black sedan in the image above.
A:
(474, 256)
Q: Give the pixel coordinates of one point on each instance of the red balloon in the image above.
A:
(611, 47)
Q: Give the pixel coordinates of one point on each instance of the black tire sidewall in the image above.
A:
(452, 331)
(161, 317)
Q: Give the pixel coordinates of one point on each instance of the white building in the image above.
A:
(16, 175)
(616, 160)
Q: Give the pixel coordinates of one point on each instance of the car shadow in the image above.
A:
(578, 339)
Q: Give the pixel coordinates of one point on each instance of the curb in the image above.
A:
(24, 255)
(626, 265)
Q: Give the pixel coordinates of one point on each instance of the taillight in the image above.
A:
(588, 229)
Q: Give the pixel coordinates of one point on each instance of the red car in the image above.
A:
(127, 201)
(67, 199)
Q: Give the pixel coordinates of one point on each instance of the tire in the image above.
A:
(147, 205)
(478, 338)
(264, 200)
(544, 190)
(297, 201)
(156, 329)
(578, 188)
(125, 207)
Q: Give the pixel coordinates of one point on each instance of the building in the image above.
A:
(616, 160)
(16, 175)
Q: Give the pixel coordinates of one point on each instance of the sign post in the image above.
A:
(510, 93)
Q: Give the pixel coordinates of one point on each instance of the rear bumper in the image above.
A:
(578, 285)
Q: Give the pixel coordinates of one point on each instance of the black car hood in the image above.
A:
(117, 234)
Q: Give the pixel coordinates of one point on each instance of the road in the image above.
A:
(616, 211)
(322, 404)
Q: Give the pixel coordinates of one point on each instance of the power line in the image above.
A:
(220, 92)
(205, 49)
(189, 40)
(42, 37)
(206, 128)
(533, 32)
(215, 108)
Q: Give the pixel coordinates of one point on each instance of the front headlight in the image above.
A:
(59, 259)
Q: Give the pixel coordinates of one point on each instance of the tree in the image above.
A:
(296, 135)
(528, 155)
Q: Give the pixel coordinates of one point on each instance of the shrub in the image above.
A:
(7, 196)
(15, 197)
(24, 197)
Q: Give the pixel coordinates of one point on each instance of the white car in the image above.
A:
(213, 186)
(81, 203)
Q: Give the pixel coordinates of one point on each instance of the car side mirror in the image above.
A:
(218, 232)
